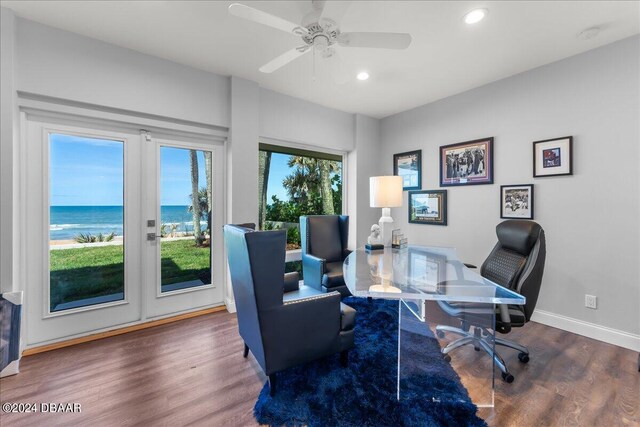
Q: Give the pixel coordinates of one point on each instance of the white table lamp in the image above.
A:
(385, 192)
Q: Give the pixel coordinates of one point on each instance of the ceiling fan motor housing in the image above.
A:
(321, 35)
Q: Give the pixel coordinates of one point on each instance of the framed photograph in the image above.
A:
(428, 207)
(467, 163)
(409, 166)
(516, 201)
(553, 157)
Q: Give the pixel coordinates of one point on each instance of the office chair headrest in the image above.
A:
(518, 235)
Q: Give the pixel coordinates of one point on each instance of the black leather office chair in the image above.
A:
(324, 248)
(282, 323)
(516, 262)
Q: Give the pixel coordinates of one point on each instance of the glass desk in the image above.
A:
(437, 296)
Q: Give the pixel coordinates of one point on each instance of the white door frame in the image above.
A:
(44, 325)
(158, 303)
(102, 124)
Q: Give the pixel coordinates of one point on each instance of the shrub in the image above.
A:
(293, 235)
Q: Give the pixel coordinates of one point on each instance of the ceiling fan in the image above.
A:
(319, 32)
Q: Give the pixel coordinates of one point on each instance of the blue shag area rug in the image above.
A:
(323, 393)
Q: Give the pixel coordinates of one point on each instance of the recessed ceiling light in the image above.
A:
(363, 75)
(475, 16)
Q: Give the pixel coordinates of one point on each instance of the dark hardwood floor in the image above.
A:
(192, 373)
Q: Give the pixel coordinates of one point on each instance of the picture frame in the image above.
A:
(467, 163)
(408, 165)
(516, 201)
(553, 157)
(428, 207)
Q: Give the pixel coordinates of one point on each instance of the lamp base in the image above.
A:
(386, 226)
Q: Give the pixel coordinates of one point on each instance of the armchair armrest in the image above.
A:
(313, 268)
(291, 281)
(301, 330)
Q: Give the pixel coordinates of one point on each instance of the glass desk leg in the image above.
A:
(446, 354)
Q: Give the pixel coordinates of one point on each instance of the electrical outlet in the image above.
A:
(591, 301)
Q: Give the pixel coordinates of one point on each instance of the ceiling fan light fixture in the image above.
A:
(475, 16)
(362, 75)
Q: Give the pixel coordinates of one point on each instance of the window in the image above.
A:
(292, 183)
(185, 246)
(86, 221)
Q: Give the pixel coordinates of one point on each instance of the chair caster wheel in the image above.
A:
(440, 334)
(447, 358)
(523, 357)
(507, 377)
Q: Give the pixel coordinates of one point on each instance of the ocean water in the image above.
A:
(66, 222)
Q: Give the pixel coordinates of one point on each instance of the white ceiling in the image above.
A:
(446, 56)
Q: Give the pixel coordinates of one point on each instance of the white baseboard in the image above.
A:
(12, 368)
(231, 305)
(591, 330)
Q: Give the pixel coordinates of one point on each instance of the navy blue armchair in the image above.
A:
(324, 248)
(282, 323)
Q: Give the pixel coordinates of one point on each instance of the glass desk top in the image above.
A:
(421, 273)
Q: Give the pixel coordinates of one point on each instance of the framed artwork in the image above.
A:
(467, 163)
(428, 207)
(553, 157)
(409, 166)
(516, 201)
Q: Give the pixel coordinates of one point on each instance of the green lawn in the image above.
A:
(90, 272)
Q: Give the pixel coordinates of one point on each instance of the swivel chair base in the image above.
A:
(481, 338)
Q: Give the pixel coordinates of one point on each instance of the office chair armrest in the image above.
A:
(469, 265)
(291, 281)
(505, 319)
(313, 268)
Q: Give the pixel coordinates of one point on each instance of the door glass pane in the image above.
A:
(185, 211)
(86, 221)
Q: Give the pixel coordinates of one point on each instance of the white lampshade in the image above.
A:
(385, 191)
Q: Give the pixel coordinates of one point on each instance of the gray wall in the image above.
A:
(591, 218)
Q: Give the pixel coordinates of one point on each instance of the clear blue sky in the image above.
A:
(175, 175)
(89, 172)
(277, 173)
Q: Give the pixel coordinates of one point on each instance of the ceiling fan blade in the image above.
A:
(264, 18)
(335, 10)
(375, 40)
(284, 59)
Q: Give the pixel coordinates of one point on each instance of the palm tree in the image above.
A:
(312, 177)
(264, 163)
(197, 213)
(327, 167)
(207, 165)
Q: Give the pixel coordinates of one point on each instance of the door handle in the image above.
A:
(152, 237)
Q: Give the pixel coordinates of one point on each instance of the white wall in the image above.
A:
(364, 163)
(591, 219)
(8, 126)
(64, 65)
(294, 120)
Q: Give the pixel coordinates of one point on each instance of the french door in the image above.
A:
(119, 227)
(183, 232)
